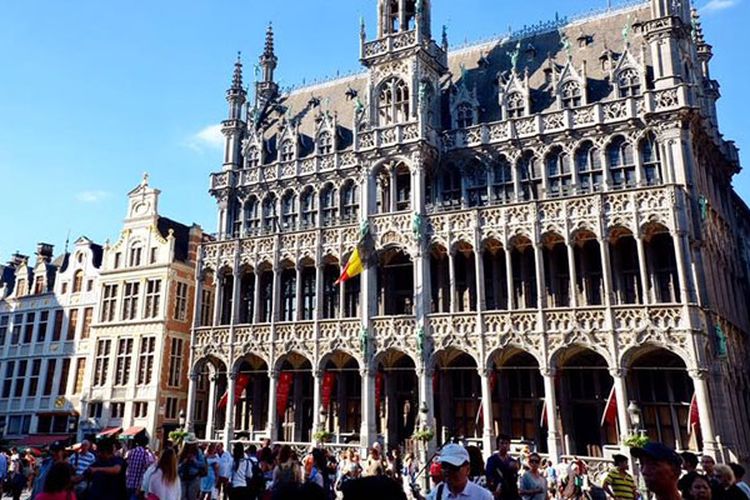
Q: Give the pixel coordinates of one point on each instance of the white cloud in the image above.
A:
(207, 138)
(91, 196)
(717, 5)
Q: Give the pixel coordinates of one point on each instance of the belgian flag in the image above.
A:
(360, 258)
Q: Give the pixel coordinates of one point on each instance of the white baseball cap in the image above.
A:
(454, 454)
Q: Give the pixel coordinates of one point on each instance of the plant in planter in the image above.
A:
(322, 436)
(423, 434)
(178, 436)
(636, 441)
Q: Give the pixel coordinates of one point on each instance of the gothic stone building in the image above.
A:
(136, 372)
(554, 229)
(46, 312)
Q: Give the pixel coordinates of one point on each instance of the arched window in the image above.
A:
(253, 157)
(629, 83)
(621, 163)
(570, 94)
(393, 101)
(476, 188)
(452, 186)
(325, 143)
(252, 216)
(403, 188)
(503, 189)
(559, 173)
(328, 206)
(289, 211)
(589, 168)
(307, 207)
(530, 175)
(77, 281)
(651, 160)
(350, 202)
(464, 115)
(287, 150)
(515, 105)
(270, 214)
(288, 295)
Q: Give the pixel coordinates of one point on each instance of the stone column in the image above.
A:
(509, 278)
(317, 382)
(573, 274)
(273, 378)
(211, 406)
(621, 395)
(298, 293)
(704, 412)
(368, 432)
(606, 272)
(541, 285)
(218, 296)
(256, 298)
(643, 267)
(452, 279)
(190, 405)
(550, 402)
(229, 420)
(488, 418)
(682, 267)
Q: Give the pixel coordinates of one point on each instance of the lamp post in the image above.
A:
(635, 414)
(181, 419)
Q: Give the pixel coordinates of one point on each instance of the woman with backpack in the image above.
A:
(288, 471)
(242, 473)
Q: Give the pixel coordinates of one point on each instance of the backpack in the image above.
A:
(257, 482)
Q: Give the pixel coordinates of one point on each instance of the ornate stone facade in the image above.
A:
(554, 230)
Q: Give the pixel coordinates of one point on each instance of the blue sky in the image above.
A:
(94, 93)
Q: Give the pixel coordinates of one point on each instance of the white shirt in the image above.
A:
(471, 492)
(225, 465)
(243, 472)
(164, 491)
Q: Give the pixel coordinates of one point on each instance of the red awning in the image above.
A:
(133, 431)
(109, 432)
(41, 440)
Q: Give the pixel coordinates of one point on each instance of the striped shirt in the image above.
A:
(81, 462)
(622, 484)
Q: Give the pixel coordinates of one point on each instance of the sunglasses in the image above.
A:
(450, 467)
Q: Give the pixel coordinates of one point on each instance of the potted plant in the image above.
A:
(423, 434)
(636, 441)
(322, 436)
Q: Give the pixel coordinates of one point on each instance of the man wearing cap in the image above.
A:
(454, 460)
(619, 484)
(660, 468)
(56, 455)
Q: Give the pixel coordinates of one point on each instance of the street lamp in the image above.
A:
(181, 419)
(635, 416)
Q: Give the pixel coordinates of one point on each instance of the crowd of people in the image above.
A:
(193, 471)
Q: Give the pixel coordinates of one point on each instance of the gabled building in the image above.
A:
(136, 372)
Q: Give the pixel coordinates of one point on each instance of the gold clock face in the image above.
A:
(60, 402)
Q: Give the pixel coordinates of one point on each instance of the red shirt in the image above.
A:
(61, 495)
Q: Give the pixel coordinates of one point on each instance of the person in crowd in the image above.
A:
(550, 473)
(374, 465)
(708, 464)
(660, 468)
(209, 482)
(138, 460)
(225, 470)
(502, 471)
(476, 466)
(690, 466)
(739, 475)
(58, 483)
(436, 474)
(699, 488)
(81, 460)
(17, 473)
(56, 455)
(351, 473)
(318, 473)
(288, 470)
(727, 489)
(533, 485)
(454, 461)
(372, 488)
(164, 482)
(106, 475)
(242, 470)
(619, 484)
(571, 486)
(190, 468)
(4, 466)
(395, 464)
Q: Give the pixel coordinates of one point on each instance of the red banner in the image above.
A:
(243, 380)
(284, 387)
(378, 389)
(329, 379)
(610, 409)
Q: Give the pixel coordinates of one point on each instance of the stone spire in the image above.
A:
(267, 88)
(236, 94)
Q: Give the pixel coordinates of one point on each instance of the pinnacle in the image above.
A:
(269, 49)
(237, 77)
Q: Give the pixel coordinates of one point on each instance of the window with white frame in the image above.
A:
(140, 409)
(181, 301)
(252, 216)
(629, 83)
(350, 202)
(328, 206)
(570, 95)
(207, 307)
(503, 188)
(22, 287)
(452, 186)
(130, 300)
(41, 333)
(621, 163)
(476, 184)
(96, 409)
(146, 360)
(559, 173)
(3, 329)
(78, 281)
(289, 210)
(464, 115)
(287, 150)
(307, 207)
(20, 378)
(15, 335)
(530, 175)
(172, 408)
(28, 328)
(136, 253)
(515, 105)
(101, 362)
(117, 410)
(253, 157)
(175, 362)
(153, 298)
(589, 167)
(651, 160)
(124, 361)
(270, 214)
(393, 101)
(109, 303)
(33, 385)
(325, 143)
(10, 369)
